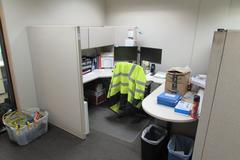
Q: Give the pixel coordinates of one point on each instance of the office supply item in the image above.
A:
(168, 99)
(177, 80)
(199, 80)
(153, 55)
(183, 107)
(131, 39)
(161, 75)
(107, 60)
(131, 33)
(130, 42)
(124, 53)
(87, 65)
(194, 113)
(152, 69)
(157, 80)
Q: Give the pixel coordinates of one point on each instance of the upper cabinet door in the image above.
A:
(101, 36)
(121, 33)
(84, 37)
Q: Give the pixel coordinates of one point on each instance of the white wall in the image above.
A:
(213, 15)
(166, 24)
(22, 13)
(234, 15)
(183, 29)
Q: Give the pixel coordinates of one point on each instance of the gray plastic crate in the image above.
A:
(29, 132)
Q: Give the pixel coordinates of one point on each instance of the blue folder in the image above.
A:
(168, 99)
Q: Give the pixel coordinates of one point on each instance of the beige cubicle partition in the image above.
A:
(55, 56)
(56, 53)
(219, 127)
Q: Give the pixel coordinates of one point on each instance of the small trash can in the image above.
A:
(152, 140)
(180, 148)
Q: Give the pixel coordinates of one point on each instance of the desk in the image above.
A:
(155, 79)
(97, 73)
(163, 112)
(107, 73)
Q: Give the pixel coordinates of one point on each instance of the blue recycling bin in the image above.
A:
(180, 148)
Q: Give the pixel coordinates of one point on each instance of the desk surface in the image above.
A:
(107, 73)
(97, 73)
(163, 112)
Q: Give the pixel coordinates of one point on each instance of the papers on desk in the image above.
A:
(199, 80)
(161, 75)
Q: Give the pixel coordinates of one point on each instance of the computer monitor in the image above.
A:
(124, 53)
(153, 55)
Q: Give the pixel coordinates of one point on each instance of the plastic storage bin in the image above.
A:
(152, 140)
(180, 148)
(168, 99)
(96, 97)
(28, 132)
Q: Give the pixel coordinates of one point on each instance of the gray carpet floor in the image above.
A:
(60, 145)
(104, 120)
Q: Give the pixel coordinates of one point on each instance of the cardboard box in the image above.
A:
(177, 80)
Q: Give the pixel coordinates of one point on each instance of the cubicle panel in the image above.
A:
(101, 36)
(84, 37)
(54, 52)
(213, 71)
(222, 139)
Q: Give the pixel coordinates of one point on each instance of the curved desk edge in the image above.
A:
(97, 73)
(163, 112)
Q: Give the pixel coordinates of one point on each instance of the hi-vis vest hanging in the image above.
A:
(127, 86)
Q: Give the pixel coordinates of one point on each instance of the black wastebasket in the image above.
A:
(153, 139)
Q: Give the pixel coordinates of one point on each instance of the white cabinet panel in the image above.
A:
(101, 36)
(121, 34)
(84, 37)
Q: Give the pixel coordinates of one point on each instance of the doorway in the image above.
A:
(7, 98)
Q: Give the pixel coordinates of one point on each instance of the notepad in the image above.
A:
(183, 107)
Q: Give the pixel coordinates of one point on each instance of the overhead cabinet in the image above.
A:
(101, 36)
(94, 37)
(84, 38)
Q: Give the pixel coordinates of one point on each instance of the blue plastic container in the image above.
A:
(180, 148)
(168, 99)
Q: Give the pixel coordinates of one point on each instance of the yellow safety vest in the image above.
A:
(128, 79)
